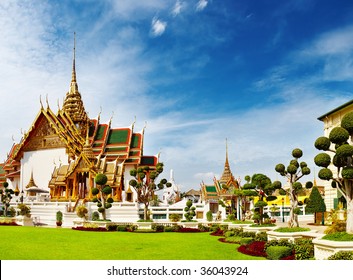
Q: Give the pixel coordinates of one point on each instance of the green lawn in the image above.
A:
(36, 243)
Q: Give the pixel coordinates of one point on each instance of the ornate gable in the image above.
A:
(42, 136)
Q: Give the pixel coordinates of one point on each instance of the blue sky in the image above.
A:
(258, 73)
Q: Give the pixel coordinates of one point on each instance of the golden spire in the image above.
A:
(73, 78)
(227, 173)
(73, 104)
(31, 182)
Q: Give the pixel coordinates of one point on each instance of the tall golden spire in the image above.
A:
(227, 173)
(73, 104)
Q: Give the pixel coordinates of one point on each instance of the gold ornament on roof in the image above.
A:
(73, 104)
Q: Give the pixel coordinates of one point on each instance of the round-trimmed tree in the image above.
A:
(144, 184)
(102, 194)
(189, 211)
(293, 173)
(259, 185)
(6, 196)
(338, 147)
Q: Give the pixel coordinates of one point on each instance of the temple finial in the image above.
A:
(226, 150)
(74, 60)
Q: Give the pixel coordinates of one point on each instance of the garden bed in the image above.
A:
(324, 248)
(82, 228)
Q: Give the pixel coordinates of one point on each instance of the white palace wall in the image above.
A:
(42, 164)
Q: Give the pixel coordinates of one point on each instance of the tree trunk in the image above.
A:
(104, 215)
(145, 212)
(349, 227)
(293, 218)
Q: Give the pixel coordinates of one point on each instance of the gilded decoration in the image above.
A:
(43, 137)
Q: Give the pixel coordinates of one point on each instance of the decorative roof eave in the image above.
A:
(90, 165)
(26, 134)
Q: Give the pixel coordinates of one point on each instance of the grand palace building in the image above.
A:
(61, 153)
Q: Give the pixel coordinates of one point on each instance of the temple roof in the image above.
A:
(73, 104)
(227, 175)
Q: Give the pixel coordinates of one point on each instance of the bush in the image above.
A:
(111, 227)
(304, 249)
(159, 228)
(246, 240)
(281, 242)
(95, 216)
(11, 212)
(82, 211)
(209, 216)
(278, 252)
(174, 217)
(231, 217)
(261, 236)
(342, 255)
(168, 229)
(247, 234)
(24, 210)
(336, 226)
(203, 228)
(174, 228)
(122, 228)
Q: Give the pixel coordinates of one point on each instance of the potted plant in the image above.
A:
(59, 218)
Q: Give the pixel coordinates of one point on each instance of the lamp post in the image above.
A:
(282, 209)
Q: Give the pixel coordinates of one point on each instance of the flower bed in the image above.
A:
(189, 230)
(218, 232)
(8, 224)
(8, 221)
(82, 228)
(256, 248)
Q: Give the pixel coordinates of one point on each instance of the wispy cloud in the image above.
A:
(201, 5)
(177, 8)
(158, 27)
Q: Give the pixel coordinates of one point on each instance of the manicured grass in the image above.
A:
(293, 229)
(339, 236)
(36, 243)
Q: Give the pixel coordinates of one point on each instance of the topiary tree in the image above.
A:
(316, 204)
(244, 193)
(340, 158)
(294, 172)
(144, 184)
(189, 211)
(102, 194)
(259, 185)
(6, 196)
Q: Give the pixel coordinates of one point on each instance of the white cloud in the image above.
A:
(177, 8)
(158, 27)
(201, 5)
